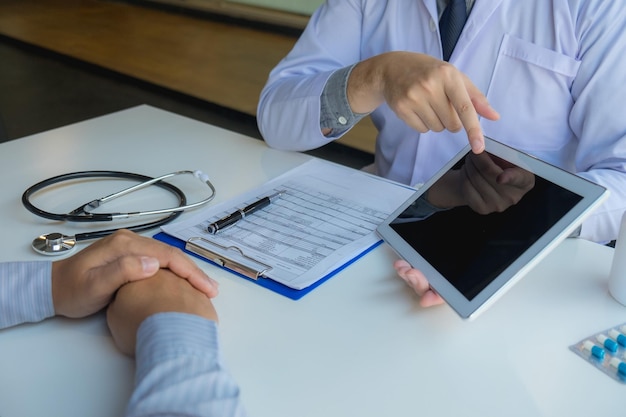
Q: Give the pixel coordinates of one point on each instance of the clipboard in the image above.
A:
(261, 280)
(325, 219)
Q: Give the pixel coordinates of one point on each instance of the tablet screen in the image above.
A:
(472, 249)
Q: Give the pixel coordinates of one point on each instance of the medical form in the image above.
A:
(326, 215)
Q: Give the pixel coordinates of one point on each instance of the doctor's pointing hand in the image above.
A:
(425, 92)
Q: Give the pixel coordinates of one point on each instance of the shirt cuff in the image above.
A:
(25, 292)
(335, 111)
(163, 336)
(179, 370)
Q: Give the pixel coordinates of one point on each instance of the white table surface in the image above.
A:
(359, 345)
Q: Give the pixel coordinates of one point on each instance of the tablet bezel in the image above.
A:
(592, 195)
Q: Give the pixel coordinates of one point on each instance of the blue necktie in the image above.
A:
(451, 24)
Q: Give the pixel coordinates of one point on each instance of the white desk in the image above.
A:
(359, 345)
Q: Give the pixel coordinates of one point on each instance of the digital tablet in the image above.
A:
(471, 256)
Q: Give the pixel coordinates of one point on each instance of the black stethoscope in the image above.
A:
(58, 243)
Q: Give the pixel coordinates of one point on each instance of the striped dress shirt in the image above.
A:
(179, 370)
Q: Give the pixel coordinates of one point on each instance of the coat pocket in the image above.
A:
(530, 88)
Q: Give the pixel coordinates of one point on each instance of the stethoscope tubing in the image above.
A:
(79, 214)
(83, 213)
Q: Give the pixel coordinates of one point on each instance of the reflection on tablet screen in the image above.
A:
(472, 249)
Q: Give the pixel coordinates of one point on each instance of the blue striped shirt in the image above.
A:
(25, 292)
(179, 369)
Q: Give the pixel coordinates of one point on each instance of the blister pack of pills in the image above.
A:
(606, 351)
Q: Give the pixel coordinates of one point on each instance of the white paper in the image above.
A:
(327, 216)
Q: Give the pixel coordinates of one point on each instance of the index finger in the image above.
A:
(469, 102)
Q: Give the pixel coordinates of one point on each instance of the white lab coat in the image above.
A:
(555, 70)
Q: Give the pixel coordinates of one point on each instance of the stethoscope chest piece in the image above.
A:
(53, 244)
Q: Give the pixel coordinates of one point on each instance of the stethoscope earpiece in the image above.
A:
(53, 244)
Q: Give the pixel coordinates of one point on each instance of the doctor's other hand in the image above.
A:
(425, 92)
(136, 301)
(85, 282)
(418, 282)
(485, 183)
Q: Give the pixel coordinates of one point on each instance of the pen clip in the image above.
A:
(247, 266)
